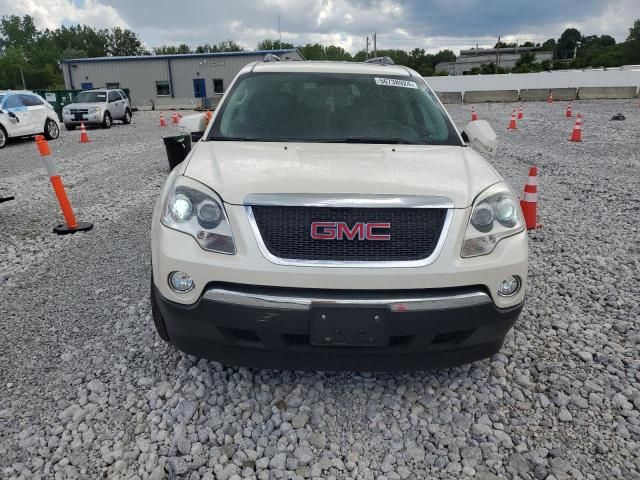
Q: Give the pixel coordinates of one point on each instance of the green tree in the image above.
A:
(18, 32)
(124, 42)
(633, 43)
(313, 51)
(273, 44)
(568, 42)
(227, 46)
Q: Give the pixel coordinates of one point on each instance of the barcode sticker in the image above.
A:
(393, 82)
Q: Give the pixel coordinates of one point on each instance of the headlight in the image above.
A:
(496, 215)
(192, 208)
(95, 109)
(65, 111)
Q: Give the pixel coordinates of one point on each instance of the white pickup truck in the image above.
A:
(333, 217)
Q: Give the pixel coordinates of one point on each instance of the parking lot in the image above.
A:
(90, 391)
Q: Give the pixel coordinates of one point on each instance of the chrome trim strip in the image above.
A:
(353, 263)
(350, 200)
(402, 303)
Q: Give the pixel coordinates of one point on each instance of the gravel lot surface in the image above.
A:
(88, 389)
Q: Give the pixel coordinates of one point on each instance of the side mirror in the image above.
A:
(481, 137)
(13, 115)
(190, 124)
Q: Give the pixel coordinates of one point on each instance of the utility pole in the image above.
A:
(375, 48)
(498, 55)
(367, 50)
(24, 85)
(279, 33)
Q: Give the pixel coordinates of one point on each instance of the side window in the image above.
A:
(13, 101)
(114, 96)
(162, 88)
(123, 95)
(30, 100)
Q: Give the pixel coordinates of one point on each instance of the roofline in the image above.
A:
(180, 55)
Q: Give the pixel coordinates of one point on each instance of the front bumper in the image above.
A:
(87, 119)
(266, 327)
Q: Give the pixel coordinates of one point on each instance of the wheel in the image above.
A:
(51, 130)
(106, 121)
(157, 316)
(3, 137)
(127, 117)
(69, 127)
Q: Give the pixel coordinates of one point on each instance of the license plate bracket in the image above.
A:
(349, 326)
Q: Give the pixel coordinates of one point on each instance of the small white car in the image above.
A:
(97, 107)
(23, 114)
(332, 217)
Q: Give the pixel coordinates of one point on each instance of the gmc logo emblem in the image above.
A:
(342, 231)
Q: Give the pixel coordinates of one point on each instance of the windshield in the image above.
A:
(1, 98)
(91, 97)
(321, 107)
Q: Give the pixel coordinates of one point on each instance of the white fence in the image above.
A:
(520, 81)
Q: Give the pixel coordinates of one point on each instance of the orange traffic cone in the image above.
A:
(568, 113)
(512, 123)
(84, 136)
(520, 113)
(71, 224)
(529, 201)
(174, 118)
(474, 115)
(550, 98)
(576, 135)
(163, 122)
(208, 117)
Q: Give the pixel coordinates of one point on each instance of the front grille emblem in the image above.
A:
(375, 231)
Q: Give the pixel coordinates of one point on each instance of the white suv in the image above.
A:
(97, 107)
(25, 113)
(332, 217)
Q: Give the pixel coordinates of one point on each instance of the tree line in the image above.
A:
(573, 50)
(31, 56)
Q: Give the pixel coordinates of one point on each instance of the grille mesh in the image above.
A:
(286, 232)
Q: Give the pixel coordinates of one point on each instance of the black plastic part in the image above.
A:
(63, 229)
(178, 148)
(6, 199)
(281, 339)
(157, 316)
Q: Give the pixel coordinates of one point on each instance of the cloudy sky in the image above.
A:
(429, 24)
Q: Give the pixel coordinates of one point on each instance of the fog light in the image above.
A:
(509, 286)
(180, 282)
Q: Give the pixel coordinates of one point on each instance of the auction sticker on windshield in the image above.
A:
(393, 82)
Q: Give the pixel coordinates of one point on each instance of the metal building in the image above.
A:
(165, 81)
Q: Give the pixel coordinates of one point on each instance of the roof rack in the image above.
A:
(381, 60)
(270, 57)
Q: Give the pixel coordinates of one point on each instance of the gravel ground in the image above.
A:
(89, 390)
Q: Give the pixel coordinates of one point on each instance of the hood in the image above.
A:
(84, 105)
(237, 169)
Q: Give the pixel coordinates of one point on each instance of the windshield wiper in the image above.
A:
(382, 140)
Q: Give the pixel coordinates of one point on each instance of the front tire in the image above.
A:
(107, 121)
(127, 117)
(51, 130)
(3, 137)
